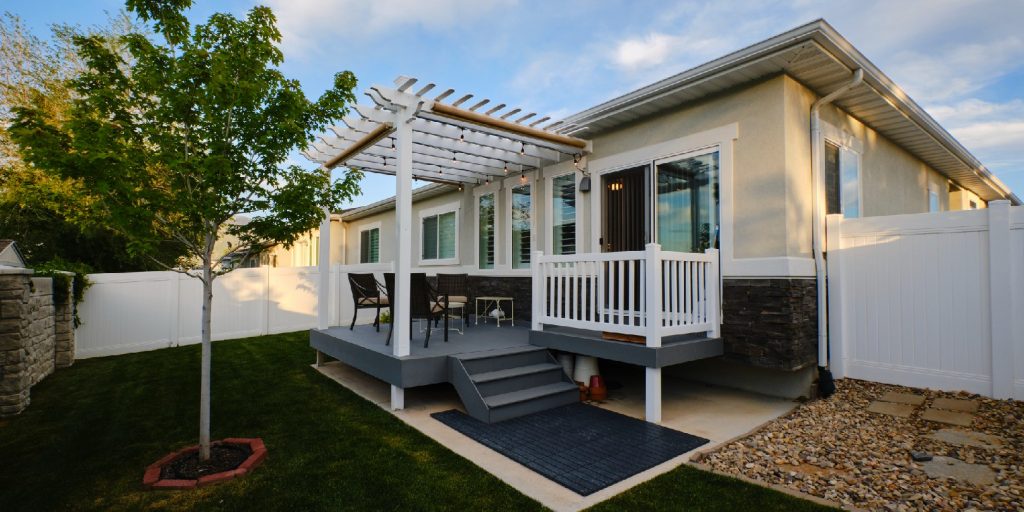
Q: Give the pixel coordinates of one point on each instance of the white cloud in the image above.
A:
(314, 26)
(956, 70)
(993, 131)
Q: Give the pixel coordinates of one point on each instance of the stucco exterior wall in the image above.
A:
(893, 181)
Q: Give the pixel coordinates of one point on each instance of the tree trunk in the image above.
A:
(204, 386)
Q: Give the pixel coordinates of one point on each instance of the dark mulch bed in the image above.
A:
(223, 457)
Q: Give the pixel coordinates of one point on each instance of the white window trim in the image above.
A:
(359, 243)
(495, 190)
(452, 207)
(549, 205)
(846, 142)
(511, 183)
(933, 188)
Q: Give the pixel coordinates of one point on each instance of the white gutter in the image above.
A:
(818, 212)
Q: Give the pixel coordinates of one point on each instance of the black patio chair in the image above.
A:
(456, 288)
(366, 294)
(424, 304)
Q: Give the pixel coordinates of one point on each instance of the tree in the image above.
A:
(40, 209)
(187, 133)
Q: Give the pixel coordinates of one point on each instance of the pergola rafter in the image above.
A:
(411, 135)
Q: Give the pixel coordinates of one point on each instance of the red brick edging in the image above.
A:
(151, 479)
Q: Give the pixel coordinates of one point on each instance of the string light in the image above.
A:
(522, 178)
(453, 157)
(392, 143)
(462, 136)
(522, 148)
(506, 167)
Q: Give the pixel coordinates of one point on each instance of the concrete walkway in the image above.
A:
(714, 413)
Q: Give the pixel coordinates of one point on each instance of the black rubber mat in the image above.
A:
(581, 447)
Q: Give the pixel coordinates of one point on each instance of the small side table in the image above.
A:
(494, 303)
(461, 307)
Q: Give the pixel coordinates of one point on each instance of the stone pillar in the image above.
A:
(64, 330)
(27, 336)
(15, 381)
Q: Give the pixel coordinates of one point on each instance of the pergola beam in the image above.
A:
(502, 124)
(371, 138)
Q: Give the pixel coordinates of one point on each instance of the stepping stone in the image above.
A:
(902, 398)
(898, 410)
(967, 438)
(948, 467)
(953, 404)
(961, 419)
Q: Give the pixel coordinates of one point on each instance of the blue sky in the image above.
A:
(963, 61)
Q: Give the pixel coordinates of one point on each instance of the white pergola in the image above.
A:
(411, 133)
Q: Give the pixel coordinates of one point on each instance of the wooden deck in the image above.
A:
(364, 348)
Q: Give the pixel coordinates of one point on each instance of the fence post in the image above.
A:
(652, 296)
(713, 285)
(1000, 299)
(538, 301)
(836, 326)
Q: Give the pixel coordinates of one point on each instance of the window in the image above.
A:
(842, 181)
(687, 203)
(973, 205)
(369, 245)
(933, 200)
(563, 214)
(485, 221)
(521, 226)
(439, 237)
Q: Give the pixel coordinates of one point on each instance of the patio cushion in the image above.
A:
(454, 298)
(374, 300)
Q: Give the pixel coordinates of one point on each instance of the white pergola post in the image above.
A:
(652, 398)
(403, 246)
(323, 303)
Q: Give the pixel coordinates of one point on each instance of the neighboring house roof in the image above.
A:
(816, 55)
(420, 194)
(10, 255)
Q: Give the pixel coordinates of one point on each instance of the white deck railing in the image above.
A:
(614, 292)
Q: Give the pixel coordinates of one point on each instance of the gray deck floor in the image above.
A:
(476, 338)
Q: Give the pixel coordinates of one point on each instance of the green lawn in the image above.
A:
(92, 429)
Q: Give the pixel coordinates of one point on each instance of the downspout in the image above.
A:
(825, 384)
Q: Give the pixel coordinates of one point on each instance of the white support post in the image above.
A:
(652, 399)
(323, 302)
(833, 262)
(539, 298)
(713, 288)
(397, 398)
(403, 245)
(652, 304)
(1000, 309)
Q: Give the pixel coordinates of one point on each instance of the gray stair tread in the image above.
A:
(506, 373)
(529, 394)
(486, 354)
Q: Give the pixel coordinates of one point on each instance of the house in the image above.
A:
(10, 255)
(688, 214)
(304, 252)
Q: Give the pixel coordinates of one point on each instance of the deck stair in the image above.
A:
(497, 385)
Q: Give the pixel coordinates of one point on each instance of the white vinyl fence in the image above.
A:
(932, 300)
(139, 311)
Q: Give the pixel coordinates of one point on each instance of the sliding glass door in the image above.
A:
(687, 202)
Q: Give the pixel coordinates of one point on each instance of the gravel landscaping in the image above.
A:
(838, 450)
